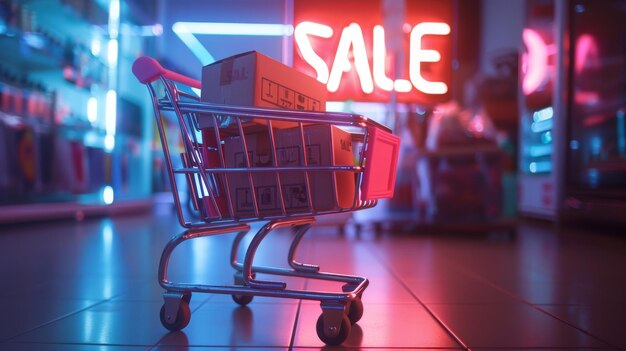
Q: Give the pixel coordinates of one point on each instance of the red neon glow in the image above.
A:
(352, 36)
(535, 61)
(300, 34)
(380, 56)
(587, 54)
(587, 57)
(419, 55)
(344, 45)
(352, 40)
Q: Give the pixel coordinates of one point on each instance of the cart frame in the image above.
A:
(339, 309)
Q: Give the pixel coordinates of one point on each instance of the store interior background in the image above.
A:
(80, 160)
(60, 55)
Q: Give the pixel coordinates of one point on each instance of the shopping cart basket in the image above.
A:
(232, 182)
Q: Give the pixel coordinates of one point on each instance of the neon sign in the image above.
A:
(350, 56)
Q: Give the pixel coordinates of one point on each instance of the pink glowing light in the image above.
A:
(586, 53)
(535, 61)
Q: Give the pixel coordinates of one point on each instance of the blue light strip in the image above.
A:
(190, 40)
(187, 32)
(621, 133)
(227, 28)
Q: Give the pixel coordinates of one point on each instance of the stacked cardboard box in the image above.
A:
(252, 79)
(325, 145)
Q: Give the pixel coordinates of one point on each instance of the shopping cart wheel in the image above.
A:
(182, 318)
(355, 312)
(187, 297)
(242, 299)
(340, 337)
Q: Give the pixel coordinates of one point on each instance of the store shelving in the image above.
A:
(65, 158)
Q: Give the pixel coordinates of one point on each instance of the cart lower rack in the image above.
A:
(283, 167)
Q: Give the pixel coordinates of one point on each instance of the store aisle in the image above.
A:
(91, 285)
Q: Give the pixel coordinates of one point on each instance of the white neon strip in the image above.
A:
(95, 47)
(380, 55)
(114, 18)
(352, 36)
(112, 52)
(301, 33)
(543, 114)
(108, 196)
(227, 28)
(109, 143)
(92, 110)
(539, 127)
(402, 86)
(418, 55)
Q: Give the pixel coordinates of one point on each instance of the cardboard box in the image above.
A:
(211, 159)
(253, 79)
(239, 186)
(326, 145)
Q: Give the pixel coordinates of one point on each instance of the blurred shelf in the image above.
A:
(17, 53)
(70, 210)
(464, 150)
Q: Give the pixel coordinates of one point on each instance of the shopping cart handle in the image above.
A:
(147, 70)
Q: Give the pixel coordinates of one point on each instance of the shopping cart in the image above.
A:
(231, 192)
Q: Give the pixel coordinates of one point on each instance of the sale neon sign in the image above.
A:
(352, 36)
(352, 59)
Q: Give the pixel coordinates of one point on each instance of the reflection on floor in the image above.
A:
(91, 285)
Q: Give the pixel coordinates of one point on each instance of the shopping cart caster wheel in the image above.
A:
(182, 318)
(340, 337)
(355, 312)
(187, 297)
(242, 299)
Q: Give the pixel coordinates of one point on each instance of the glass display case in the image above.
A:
(573, 100)
(542, 108)
(595, 181)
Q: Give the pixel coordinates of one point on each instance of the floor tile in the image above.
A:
(113, 322)
(221, 348)
(457, 290)
(67, 347)
(607, 322)
(510, 325)
(20, 315)
(552, 292)
(476, 285)
(84, 287)
(375, 348)
(380, 290)
(224, 325)
(383, 325)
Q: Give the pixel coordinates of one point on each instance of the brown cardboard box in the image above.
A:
(211, 159)
(265, 185)
(253, 79)
(326, 145)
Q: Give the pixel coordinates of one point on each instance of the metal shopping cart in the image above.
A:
(233, 183)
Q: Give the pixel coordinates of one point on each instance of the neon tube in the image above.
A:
(301, 33)
(352, 36)
(419, 55)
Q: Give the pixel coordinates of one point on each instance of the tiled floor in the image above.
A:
(91, 285)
